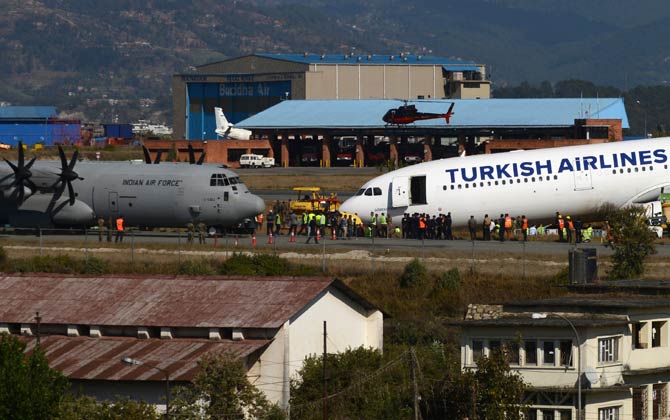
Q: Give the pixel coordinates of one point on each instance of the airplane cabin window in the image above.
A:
(368, 191)
(539, 178)
(503, 182)
(525, 180)
(628, 170)
(460, 186)
(444, 187)
(481, 184)
(555, 176)
(452, 187)
(533, 179)
(467, 185)
(361, 191)
(377, 191)
(496, 182)
(635, 169)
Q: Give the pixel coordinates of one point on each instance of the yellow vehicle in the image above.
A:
(311, 199)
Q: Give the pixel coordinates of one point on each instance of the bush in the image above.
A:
(94, 265)
(449, 280)
(3, 256)
(198, 267)
(262, 265)
(47, 264)
(238, 264)
(414, 275)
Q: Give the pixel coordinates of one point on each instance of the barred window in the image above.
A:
(608, 349)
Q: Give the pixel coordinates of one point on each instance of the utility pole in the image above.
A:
(412, 356)
(325, 381)
(38, 319)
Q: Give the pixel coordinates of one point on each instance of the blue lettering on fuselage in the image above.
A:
(546, 167)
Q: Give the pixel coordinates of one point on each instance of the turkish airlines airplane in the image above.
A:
(574, 180)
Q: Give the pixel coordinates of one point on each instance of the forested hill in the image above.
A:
(113, 58)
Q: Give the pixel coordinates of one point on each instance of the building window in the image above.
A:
(494, 346)
(566, 353)
(548, 353)
(530, 348)
(512, 352)
(658, 334)
(660, 404)
(609, 413)
(565, 415)
(477, 350)
(608, 350)
(640, 330)
(548, 415)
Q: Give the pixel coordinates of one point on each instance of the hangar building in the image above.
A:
(352, 132)
(247, 85)
(36, 124)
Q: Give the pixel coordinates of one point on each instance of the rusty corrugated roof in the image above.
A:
(223, 302)
(100, 358)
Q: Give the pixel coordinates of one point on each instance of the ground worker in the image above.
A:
(524, 227)
(472, 227)
(270, 220)
(560, 224)
(278, 221)
(508, 226)
(486, 227)
(101, 227)
(311, 231)
(570, 229)
(109, 231)
(190, 232)
(373, 224)
(202, 233)
(119, 229)
(384, 224)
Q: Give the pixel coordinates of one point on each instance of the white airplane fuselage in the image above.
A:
(573, 180)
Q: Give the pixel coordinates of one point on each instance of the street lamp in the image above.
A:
(130, 361)
(579, 357)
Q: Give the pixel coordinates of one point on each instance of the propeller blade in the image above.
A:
(21, 158)
(201, 159)
(191, 154)
(70, 191)
(147, 156)
(75, 157)
(31, 162)
(63, 159)
(14, 167)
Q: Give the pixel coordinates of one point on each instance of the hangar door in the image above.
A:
(400, 191)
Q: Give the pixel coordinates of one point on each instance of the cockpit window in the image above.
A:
(377, 190)
(235, 180)
(368, 191)
(219, 180)
(361, 191)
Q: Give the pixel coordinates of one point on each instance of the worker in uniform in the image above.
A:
(578, 231)
(447, 227)
(190, 232)
(312, 230)
(422, 226)
(322, 223)
(293, 223)
(486, 227)
(119, 229)
(570, 229)
(270, 220)
(524, 227)
(472, 227)
(501, 229)
(101, 227)
(373, 224)
(304, 225)
(202, 233)
(278, 222)
(384, 224)
(560, 224)
(109, 230)
(508, 226)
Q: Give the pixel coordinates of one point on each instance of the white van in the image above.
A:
(256, 161)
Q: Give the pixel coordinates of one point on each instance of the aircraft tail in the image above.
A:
(449, 113)
(222, 124)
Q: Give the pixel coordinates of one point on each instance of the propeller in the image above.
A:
(67, 175)
(147, 156)
(22, 176)
(191, 156)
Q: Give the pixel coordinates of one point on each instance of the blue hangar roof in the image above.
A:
(27, 112)
(448, 63)
(367, 113)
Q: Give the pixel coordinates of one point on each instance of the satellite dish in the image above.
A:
(591, 375)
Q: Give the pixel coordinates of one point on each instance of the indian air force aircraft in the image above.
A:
(574, 180)
(228, 130)
(62, 193)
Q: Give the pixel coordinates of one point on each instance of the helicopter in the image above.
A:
(407, 114)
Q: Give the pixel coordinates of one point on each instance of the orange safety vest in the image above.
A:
(119, 224)
(570, 225)
(422, 223)
(508, 222)
(524, 224)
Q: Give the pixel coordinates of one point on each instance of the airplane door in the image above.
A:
(400, 191)
(113, 200)
(583, 180)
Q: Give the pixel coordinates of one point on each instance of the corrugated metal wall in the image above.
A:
(47, 132)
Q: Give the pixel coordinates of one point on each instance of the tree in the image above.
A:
(29, 388)
(222, 391)
(631, 240)
(490, 392)
(87, 408)
(361, 384)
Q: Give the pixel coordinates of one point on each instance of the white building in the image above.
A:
(89, 324)
(623, 344)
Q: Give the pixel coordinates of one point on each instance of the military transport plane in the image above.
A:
(62, 193)
(228, 130)
(575, 180)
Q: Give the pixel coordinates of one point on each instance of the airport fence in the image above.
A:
(332, 255)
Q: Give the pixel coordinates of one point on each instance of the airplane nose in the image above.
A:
(258, 205)
(347, 206)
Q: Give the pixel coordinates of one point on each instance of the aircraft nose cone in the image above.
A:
(347, 206)
(258, 205)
